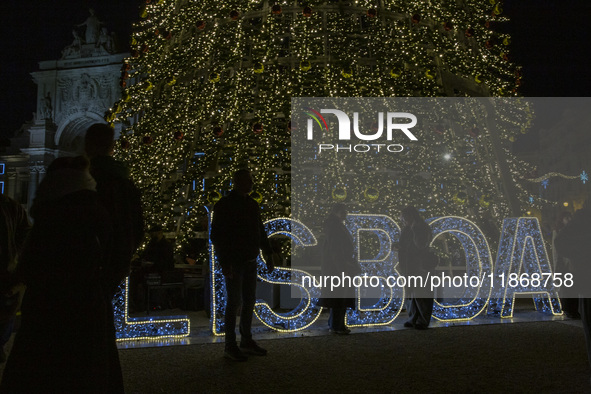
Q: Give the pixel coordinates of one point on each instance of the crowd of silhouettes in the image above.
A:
(88, 222)
(65, 269)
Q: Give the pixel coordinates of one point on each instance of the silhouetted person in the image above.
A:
(159, 251)
(238, 234)
(574, 243)
(570, 306)
(122, 200)
(414, 240)
(338, 259)
(61, 344)
(14, 226)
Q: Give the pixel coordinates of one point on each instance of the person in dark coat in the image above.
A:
(574, 243)
(60, 345)
(414, 241)
(562, 265)
(337, 260)
(160, 254)
(238, 235)
(159, 251)
(122, 199)
(14, 226)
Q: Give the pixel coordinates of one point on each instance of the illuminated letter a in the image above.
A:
(521, 254)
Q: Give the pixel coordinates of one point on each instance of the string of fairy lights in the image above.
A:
(216, 79)
(451, 170)
(521, 251)
(208, 89)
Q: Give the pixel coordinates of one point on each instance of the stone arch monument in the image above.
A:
(73, 93)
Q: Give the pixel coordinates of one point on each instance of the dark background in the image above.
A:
(550, 39)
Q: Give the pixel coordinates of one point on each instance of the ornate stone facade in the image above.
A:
(72, 94)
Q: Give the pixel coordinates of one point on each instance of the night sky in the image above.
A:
(550, 39)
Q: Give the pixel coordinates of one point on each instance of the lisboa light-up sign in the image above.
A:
(521, 255)
(521, 252)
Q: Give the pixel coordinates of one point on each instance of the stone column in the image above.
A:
(11, 185)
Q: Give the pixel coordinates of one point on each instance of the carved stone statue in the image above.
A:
(73, 50)
(46, 107)
(105, 41)
(93, 25)
(86, 90)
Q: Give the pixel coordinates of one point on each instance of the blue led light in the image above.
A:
(388, 304)
(145, 327)
(302, 316)
(307, 311)
(522, 252)
(478, 263)
(545, 183)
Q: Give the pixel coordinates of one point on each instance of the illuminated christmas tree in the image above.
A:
(459, 164)
(209, 85)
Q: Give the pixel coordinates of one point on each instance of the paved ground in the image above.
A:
(531, 357)
(529, 353)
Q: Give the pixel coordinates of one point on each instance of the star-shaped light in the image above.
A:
(545, 183)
